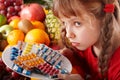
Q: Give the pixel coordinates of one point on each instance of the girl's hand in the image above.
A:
(71, 56)
(69, 77)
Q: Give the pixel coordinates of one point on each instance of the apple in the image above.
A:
(5, 30)
(3, 20)
(33, 11)
(12, 18)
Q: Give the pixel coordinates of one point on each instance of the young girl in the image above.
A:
(91, 33)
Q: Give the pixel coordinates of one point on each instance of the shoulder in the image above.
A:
(115, 57)
(114, 67)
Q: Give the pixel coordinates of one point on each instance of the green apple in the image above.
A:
(5, 30)
(3, 20)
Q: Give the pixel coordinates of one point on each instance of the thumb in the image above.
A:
(63, 76)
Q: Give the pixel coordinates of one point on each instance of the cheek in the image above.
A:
(88, 38)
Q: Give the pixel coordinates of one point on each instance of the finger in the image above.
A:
(62, 76)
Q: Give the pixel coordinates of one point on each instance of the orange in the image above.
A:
(37, 36)
(14, 23)
(0, 54)
(15, 36)
(38, 24)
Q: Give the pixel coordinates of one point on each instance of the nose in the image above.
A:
(69, 33)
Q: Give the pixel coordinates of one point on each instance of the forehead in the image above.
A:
(84, 18)
(68, 8)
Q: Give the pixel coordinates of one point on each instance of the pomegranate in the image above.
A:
(33, 11)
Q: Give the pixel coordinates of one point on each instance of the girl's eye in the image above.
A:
(77, 23)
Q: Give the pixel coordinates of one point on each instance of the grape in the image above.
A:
(10, 9)
(2, 1)
(8, 15)
(18, 2)
(4, 12)
(17, 8)
(2, 6)
(7, 3)
(15, 75)
(7, 77)
(12, 1)
(8, 69)
(2, 63)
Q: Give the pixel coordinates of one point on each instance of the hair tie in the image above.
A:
(109, 8)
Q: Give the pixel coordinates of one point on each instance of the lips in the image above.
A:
(75, 44)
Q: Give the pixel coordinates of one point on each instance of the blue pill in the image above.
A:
(58, 66)
(12, 58)
(15, 54)
(28, 73)
(19, 69)
(44, 50)
(64, 71)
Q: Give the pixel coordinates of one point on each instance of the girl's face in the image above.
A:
(82, 32)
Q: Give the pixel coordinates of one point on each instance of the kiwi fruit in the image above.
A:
(25, 25)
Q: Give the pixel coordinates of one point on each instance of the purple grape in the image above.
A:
(17, 8)
(18, 2)
(8, 69)
(4, 12)
(7, 3)
(11, 9)
(2, 6)
(2, 1)
(2, 63)
(8, 15)
(15, 75)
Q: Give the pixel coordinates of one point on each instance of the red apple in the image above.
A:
(12, 18)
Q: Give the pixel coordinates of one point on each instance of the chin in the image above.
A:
(81, 48)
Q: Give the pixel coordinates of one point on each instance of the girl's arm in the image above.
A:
(78, 63)
(70, 77)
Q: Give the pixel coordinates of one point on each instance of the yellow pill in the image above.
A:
(42, 60)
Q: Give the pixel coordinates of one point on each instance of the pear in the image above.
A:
(25, 25)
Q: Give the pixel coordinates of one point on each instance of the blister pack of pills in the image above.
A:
(33, 59)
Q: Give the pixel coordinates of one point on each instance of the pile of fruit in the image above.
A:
(30, 23)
